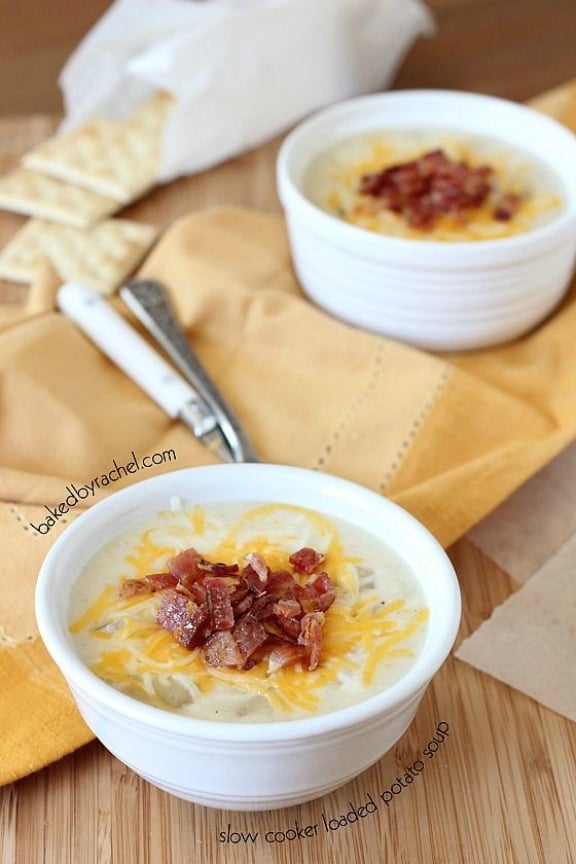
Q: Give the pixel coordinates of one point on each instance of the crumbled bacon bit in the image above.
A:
(281, 583)
(241, 617)
(221, 649)
(187, 621)
(252, 581)
(249, 634)
(185, 566)
(285, 654)
(219, 603)
(189, 566)
(148, 584)
(507, 208)
(311, 637)
(287, 608)
(318, 595)
(258, 564)
(424, 189)
(306, 560)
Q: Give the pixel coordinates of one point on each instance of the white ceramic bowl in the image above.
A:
(237, 765)
(444, 296)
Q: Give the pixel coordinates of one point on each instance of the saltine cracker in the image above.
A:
(33, 194)
(116, 158)
(100, 257)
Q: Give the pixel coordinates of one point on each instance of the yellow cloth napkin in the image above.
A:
(448, 437)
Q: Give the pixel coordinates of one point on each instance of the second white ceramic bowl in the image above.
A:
(443, 296)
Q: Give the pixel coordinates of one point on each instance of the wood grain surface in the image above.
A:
(500, 787)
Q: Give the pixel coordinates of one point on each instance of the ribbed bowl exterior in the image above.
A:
(436, 310)
(240, 776)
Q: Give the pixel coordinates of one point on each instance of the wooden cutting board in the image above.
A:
(498, 779)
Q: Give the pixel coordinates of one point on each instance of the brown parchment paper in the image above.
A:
(530, 641)
(535, 523)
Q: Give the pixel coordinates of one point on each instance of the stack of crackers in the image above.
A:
(71, 185)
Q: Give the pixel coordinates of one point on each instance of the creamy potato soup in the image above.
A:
(396, 183)
(372, 612)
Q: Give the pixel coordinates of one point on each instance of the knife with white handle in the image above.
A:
(92, 313)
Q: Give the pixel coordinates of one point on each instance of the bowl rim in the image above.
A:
(81, 680)
(456, 253)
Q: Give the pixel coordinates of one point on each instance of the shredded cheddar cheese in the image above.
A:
(94, 612)
(362, 629)
(333, 182)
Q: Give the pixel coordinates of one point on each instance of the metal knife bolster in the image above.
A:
(198, 416)
(200, 419)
